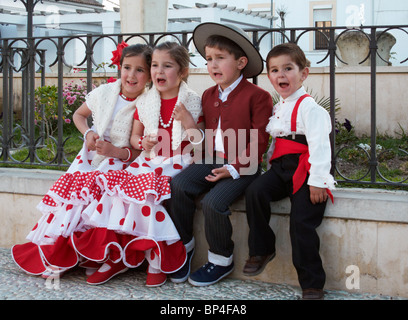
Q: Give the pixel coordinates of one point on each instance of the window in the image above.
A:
(322, 19)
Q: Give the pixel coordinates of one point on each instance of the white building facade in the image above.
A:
(248, 14)
(345, 13)
(62, 18)
(80, 17)
(185, 18)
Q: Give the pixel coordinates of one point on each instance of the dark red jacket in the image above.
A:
(247, 107)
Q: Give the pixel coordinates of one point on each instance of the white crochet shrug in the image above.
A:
(148, 107)
(101, 101)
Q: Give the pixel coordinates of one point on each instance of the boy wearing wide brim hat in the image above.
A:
(236, 113)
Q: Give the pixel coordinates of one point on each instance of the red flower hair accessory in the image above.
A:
(118, 53)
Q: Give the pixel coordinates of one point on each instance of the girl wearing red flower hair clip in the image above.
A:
(106, 147)
(117, 54)
(130, 223)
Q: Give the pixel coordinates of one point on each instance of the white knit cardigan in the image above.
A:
(101, 101)
(148, 107)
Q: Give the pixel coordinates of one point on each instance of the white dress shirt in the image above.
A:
(314, 122)
(219, 144)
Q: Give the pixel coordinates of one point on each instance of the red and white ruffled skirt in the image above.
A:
(50, 243)
(129, 222)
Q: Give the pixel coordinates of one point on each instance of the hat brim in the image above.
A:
(203, 31)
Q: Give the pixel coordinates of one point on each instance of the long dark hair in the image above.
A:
(137, 50)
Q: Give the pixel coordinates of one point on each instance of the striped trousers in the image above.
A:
(191, 183)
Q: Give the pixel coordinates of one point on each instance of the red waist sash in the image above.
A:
(284, 147)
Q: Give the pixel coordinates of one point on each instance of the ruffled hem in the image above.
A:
(136, 188)
(76, 188)
(135, 219)
(35, 259)
(100, 244)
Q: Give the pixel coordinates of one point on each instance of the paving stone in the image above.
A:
(17, 285)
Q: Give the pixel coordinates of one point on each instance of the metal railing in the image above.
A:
(25, 133)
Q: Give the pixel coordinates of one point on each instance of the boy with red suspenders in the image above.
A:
(299, 168)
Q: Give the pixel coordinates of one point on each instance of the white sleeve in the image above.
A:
(317, 130)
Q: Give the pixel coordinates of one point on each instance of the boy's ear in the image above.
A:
(242, 62)
(305, 73)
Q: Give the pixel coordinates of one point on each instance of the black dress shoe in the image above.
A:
(312, 294)
(256, 264)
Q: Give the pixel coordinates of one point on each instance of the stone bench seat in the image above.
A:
(363, 236)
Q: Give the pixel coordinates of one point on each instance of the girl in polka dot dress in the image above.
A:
(106, 147)
(130, 223)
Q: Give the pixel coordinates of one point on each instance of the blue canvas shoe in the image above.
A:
(209, 274)
(182, 274)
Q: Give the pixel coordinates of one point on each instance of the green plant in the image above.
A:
(46, 115)
(46, 108)
(345, 132)
(103, 66)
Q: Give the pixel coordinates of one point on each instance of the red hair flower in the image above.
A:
(118, 53)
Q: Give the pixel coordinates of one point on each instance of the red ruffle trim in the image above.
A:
(137, 186)
(172, 257)
(99, 244)
(72, 185)
(34, 259)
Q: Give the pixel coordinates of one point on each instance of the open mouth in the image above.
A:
(283, 85)
(161, 80)
(132, 83)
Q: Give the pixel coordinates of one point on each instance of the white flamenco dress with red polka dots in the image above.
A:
(129, 221)
(61, 207)
(50, 244)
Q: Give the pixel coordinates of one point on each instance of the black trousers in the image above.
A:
(191, 183)
(305, 217)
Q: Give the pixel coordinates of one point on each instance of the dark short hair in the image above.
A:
(292, 50)
(224, 43)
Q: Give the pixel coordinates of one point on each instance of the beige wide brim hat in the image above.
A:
(203, 31)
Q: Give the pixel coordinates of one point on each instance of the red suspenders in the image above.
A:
(294, 115)
(302, 160)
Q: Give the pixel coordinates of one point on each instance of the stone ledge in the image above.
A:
(27, 181)
(364, 228)
(355, 203)
(350, 203)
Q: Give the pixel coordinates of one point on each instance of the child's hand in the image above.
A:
(149, 142)
(91, 139)
(317, 195)
(218, 174)
(181, 114)
(105, 148)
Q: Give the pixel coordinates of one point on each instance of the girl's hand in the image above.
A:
(317, 195)
(91, 139)
(105, 148)
(181, 114)
(218, 174)
(149, 142)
